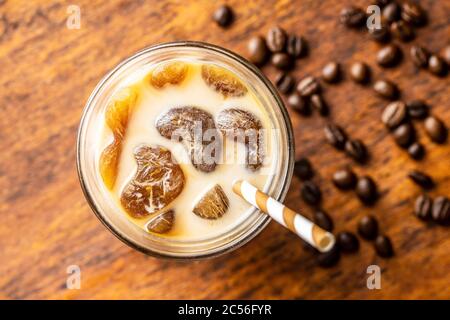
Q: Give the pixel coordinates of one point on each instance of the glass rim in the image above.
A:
(259, 225)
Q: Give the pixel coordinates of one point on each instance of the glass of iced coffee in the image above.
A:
(164, 135)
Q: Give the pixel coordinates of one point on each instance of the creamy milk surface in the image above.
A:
(193, 91)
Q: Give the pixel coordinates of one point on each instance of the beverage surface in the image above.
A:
(157, 170)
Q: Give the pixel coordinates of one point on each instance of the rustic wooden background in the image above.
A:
(46, 75)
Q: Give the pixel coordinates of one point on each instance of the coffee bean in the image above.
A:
(282, 61)
(368, 227)
(422, 207)
(353, 17)
(394, 114)
(335, 135)
(330, 258)
(323, 220)
(296, 46)
(257, 50)
(421, 179)
(223, 16)
(416, 151)
(419, 56)
(331, 72)
(389, 56)
(308, 86)
(366, 190)
(417, 109)
(436, 65)
(391, 12)
(359, 72)
(356, 150)
(344, 179)
(318, 103)
(441, 210)
(347, 242)
(383, 246)
(386, 89)
(299, 104)
(276, 39)
(381, 34)
(436, 129)
(446, 54)
(413, 13)
(284, 82)
(311, 193)
(303, 169)
(404, 135)
(402, 30)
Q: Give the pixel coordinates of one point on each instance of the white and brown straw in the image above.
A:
(304, 228)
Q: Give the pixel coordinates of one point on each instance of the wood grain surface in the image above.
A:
(47, 72)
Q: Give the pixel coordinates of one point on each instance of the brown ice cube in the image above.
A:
(213, 204)
(157, 182)
(223, 81)
(168, 73)
(162, 223)
(192, 125)
(244, 127)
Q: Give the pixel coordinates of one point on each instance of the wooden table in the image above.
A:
(47, 73)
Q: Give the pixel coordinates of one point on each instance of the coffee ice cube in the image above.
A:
(213, 204)
(223, 81)
(162, 223)
(157, 182)
(168, 73)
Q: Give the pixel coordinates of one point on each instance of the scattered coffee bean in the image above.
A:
(394, 114)
(412, 13)
(419, 56)
(436, 129)
(353, 17)
(404, 135)
(308, 86)
(417, 109)
(356, 150)
(323, 220)
(421, 179)
(284, 82)
(359, 72)
(391, 12)
(276, 39)
(446, 54)
(335, 135)
(381, 34)
(257, 50)
(422, 207)
(436, 65)
(331, 72)
(311, 193)
(282, 61)
(402, 30)
(318, 103)
(441, 210)
(299, 104)
(330, 258)
(296, 46)
(416, 151)
(344, 179)
(383, 246)
(223, 16)
(368, 227)
(389, 56)
(347, 242)
(366, 190)
(386, 89)
(303, 169)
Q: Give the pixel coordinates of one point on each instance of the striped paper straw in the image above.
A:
(304, 228)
